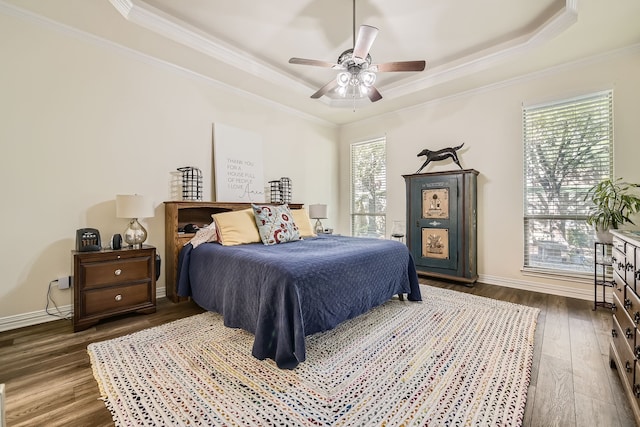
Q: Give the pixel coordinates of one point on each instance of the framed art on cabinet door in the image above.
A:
(435, 203)
(435, 243)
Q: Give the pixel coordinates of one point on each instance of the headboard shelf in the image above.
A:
(177, 214)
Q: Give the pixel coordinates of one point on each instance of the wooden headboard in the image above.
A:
(180, 213)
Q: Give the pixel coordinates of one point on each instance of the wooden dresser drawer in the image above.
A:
(618, 244)
(119, 271)
(631, 304)
(627, 359)
(619, 262)
(116, 298)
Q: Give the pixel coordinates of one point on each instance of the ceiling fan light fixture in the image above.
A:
(343, 79)
(367, 78)
(357, 74)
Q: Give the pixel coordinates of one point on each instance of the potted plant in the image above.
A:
(614, 201)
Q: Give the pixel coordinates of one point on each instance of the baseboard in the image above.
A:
(36, 317)
(545, 288)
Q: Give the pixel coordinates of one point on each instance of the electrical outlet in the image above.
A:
(64, 282)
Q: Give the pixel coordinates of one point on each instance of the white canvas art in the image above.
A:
(237, 165)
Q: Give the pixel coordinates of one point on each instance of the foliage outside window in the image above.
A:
(568, 148)
(368, 188)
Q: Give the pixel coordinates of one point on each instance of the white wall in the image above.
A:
(489, 122)
(84, 120)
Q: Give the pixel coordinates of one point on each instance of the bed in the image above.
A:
(284, 292)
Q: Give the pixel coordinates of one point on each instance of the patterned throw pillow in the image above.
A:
(204, 235)
(275, 224)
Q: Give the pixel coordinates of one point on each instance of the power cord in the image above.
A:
(60, 314)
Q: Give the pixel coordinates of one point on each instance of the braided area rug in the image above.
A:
(454, 359)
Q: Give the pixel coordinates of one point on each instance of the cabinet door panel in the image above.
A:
(435, 226)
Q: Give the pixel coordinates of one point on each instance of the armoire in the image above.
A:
(442, 224)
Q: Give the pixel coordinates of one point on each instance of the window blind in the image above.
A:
(568, 148)
(368, 188)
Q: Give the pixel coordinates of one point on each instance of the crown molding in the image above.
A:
(482, 60)
(151, 18)
(34, 18)
(577, 65)
(145, 15)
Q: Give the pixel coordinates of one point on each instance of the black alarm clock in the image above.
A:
(88, 240)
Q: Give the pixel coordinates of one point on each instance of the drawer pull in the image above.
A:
(636, 317)
(118, 297)
(613, 307)
(628, 333)
(117, 272)
(614, 333)
(627, 303)
(636, 390)
(637, 274)
(637, 352)
(627, 366)
(629, 266)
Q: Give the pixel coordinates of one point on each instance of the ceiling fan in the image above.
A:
(356, 73)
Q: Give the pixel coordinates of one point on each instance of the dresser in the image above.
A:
(112, 282)
(442, 224)
(624, 351)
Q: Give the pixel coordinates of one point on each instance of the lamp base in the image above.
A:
(135, 234)
(318, 227)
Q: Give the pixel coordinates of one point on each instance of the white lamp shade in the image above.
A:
(318, 211)
(133, 206)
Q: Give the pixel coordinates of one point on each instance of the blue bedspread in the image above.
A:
(281, 293)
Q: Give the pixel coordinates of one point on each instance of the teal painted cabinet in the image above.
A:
(442, 224)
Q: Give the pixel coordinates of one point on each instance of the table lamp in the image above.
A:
(133, 206)
(318, 212)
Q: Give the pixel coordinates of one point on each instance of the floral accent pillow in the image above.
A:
(275, 224)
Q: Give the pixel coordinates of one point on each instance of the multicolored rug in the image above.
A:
(454, 359)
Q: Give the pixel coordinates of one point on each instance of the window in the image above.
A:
(369, 188)
(568, 148)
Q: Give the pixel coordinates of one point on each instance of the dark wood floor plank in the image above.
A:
(554, 404)
(556, 341)
(49, 379)
(588, 376)
(595, 412)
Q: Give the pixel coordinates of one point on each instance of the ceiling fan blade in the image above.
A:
(374, 94)
(314, 62)
(400, 66)
(366, 35)
(324, 89)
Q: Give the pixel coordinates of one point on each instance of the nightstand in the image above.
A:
(112, 282)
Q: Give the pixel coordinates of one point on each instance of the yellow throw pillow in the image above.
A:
(301, 218)
(236, 227)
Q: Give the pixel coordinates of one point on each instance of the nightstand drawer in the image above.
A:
(112, 282)
(116, 298)
(119, 271)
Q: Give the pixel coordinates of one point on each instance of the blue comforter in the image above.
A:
(281, 293)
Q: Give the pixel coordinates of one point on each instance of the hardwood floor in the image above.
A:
(49, 381)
